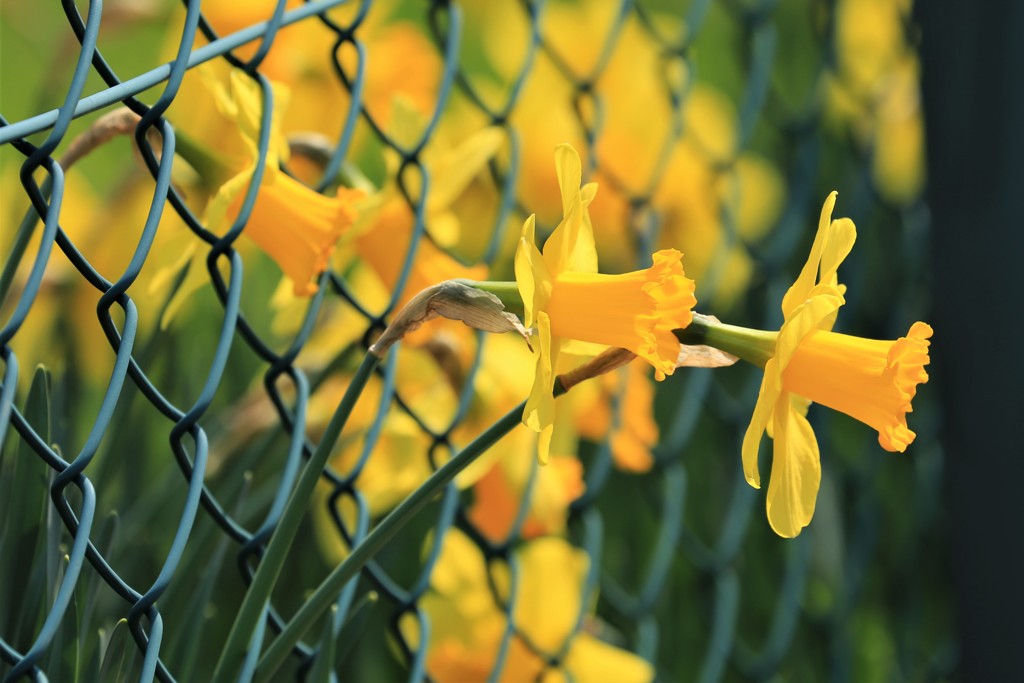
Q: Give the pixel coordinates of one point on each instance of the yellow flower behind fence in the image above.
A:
(467, 625)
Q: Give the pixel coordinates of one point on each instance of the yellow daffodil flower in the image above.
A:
(384, 245)
(295, 225)
(384, 232)
(635, 432)
(498, 495)
(872, 381)
(566, 299)
(467, 626)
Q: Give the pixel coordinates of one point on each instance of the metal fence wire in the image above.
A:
(149, 459)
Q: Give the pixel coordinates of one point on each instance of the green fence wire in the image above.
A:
(124, 570)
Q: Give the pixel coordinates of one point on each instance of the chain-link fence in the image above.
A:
(156, 458)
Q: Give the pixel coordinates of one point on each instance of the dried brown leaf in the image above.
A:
(455, 301)
(700, 356)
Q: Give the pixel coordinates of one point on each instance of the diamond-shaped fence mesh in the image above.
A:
(164, 386)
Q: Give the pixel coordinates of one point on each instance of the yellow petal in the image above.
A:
(571, 246)
(544, 444)
(532, 275)
(216, 214)
(539, 413)
(806, 280)
(407, 123)
(452, 173)
(806, 318)
(547, 605)
(570, 176)
(841, 235)
(796, 472)
(195, 278)
(444, 228)
(587, 193)
(767, 396)
(247, 110)
(590, 660)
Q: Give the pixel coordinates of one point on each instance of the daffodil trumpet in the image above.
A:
(870, 380)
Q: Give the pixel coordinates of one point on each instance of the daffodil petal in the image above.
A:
(454, 171)
(805, 319)
(532, 276)
(571, 246)
(544, 444)
(444, 228)
(194, 280)
(842, 233)
(246, 108)
(797, 293)
(570, 176)
(216, 214)
(407, 123)
(587, 193)
(799, 404)
(539, 413)
(796, 472)
(767, 396)
(591, 660)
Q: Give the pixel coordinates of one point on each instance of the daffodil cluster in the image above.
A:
(366, 163)
(567, 302)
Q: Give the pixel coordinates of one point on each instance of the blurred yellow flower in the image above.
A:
(872, 381)
(400, 60)
(382, 238)
(467, 625)
(636, 432)
(295, 225)
(565, 298)
(875, 92)
(384, 247)
(499, 495)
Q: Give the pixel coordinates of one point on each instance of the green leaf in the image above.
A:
(324, 662)
(358, 616)
(23, 504)
(121, 660)
(65, 651)
(88, 591)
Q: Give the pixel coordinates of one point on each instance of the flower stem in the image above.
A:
(507, 293)
(212, 170)
(754, 346)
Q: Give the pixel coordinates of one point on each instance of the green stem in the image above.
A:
(21, 240)
(507, 293)
(212, 170)
(329, 589)
(269, 569)
(753, 346)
